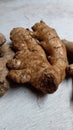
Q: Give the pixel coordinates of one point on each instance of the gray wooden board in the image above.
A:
(21, 108)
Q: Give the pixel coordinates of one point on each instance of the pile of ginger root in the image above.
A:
(38, 57)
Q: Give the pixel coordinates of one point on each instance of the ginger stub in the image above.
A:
(5, 54)
(2, 39)
(69, 48)
(30, 64)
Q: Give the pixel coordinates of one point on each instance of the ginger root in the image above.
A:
(69, 48)
(5, 54)
(2, 39)
(30, 64)
(53, 47)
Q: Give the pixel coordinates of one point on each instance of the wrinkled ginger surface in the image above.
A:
(6, 53)
(30, 64)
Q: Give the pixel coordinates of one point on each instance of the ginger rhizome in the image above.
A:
(30, 64)
(53, 47)
(2, 39)
(69, 48)
(5, 54)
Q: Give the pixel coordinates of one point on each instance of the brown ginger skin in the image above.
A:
(54, 48)
(5, 54)
(30, 64)
(69, 48)
(2, 39)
